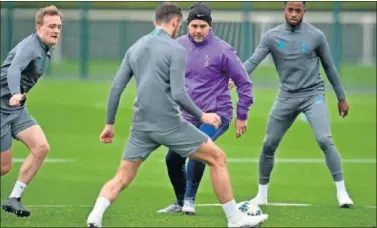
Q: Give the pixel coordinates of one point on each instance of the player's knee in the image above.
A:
(324, 141)
(270, 144)
(218, 158)
(41, 150)
(126, 173)
(124, 181)
(6, 161)
(5, 168)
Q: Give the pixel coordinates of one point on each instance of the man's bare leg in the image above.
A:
(111, 190)
(6, 161)
(216, 159)
(35, 139)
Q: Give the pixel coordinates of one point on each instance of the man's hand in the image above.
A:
(107, 134)
(343, 108)
(230, 84)
(241, 127)
(211, 119)
(17, 99)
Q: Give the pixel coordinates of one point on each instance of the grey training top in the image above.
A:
(158, 64)
(22, 68)
(297, 53)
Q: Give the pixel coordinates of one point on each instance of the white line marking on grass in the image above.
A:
(199, 205)
(208, 205)
(47, 160)
(100, 105)
(269, 204)
(289, 204)
(57, 206)
(302, 160)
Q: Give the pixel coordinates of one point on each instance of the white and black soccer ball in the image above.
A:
(249, 209)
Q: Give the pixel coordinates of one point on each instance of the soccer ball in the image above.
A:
(249, 209)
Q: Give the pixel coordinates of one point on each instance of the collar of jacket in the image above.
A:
(293, 28)
(43, 45)
(160, 32)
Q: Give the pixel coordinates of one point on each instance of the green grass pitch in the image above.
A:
(352, 76)
(72, 113)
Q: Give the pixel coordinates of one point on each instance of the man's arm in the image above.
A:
(24, 55)
(323, 51)
(121, 80)
(241, 79)
(177, 84)
(259, 54)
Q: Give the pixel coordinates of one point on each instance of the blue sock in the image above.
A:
(195, 170)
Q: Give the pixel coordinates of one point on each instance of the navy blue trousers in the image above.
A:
(186, 182)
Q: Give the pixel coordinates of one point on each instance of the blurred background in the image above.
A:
(96, 35)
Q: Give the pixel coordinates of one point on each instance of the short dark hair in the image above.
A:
(166, 12)
(303, 2)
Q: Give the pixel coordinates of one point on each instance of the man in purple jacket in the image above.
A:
(211, 63)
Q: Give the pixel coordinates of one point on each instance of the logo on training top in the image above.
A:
(319, 99)
(206, 61)
(281, 44)
(304, 47)
(40, 60)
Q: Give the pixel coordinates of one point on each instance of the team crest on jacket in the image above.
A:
(206, 61)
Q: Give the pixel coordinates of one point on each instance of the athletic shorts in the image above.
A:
(12, 124)
(184, 139)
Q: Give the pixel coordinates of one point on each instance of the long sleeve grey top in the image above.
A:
(297, 53)
(158, 64)
(22, 68)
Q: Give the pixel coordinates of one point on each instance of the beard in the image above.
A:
(298, 22)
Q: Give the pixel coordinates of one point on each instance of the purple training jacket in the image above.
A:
(209, 67)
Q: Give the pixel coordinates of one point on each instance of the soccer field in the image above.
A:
(72, 113)
(352, 76)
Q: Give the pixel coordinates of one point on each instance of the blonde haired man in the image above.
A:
(22, 68)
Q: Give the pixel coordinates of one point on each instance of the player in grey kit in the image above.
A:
(157, 62)
(297, 48)
(22, 68)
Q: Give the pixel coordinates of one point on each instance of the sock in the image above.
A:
(266, 165)
(340, 186)
(101, 205)
(180, 199)
(18, 189)
(262, 190)
(231, 210)
(195, 170)
(177, 174)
